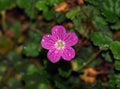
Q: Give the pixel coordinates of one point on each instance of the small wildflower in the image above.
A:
(59, 44)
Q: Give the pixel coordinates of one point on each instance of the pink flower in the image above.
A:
(59, 44)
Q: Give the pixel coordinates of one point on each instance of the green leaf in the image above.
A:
(42, 86)
(116, 26)
(99, 21)
(49, 15)
(42, 6)
(6, 4)
(107, 56)
(34, 36)
(115, 48)
(31, 85)
(117, 7)
(32, 69)
(40, 76)
(101, 40)
(60, 85)
(110, 9)
(53, 2)
(21, 66)
(98, 85)
(73, 13)
(32, 49)
(29, 7)
(118, 81)
(93, 2)
(3, 67)
(114, 81)
(13, 57)
(64, 73)
(22, 4)
(14, 84)
(60, 17)
(117, 65)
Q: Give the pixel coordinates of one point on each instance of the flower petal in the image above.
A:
(68, 53)
(47, 41)
(59, 32)
(71, 39)
(54, 55)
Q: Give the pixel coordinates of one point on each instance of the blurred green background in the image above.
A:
(23, 62)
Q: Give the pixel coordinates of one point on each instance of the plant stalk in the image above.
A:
(3, 13)
(90, 60)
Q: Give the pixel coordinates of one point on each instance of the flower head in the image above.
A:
(59, 44)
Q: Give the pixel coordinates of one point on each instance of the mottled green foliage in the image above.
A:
(29, 7)
(115, 48)
(107, 56)
(6, 4)
(42, 5)
(32, 46)
(114, 81)
(101, 40)
(24, 63)
(46, 7)
(73, 13)
(111, 10)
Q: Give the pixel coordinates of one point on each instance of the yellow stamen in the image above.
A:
(60, 44)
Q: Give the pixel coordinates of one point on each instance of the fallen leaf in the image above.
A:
(80, 2)
(62, 7)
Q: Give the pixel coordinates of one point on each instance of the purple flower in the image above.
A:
(59, 44)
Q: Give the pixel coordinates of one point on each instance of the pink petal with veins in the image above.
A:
(59, 32)
(54, 55)
(47, 41)
(71, 39)
(68, 53)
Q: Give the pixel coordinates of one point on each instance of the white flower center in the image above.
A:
(60, 44)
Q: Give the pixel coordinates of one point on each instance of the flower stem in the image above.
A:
(3, 20)
(90, 60)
